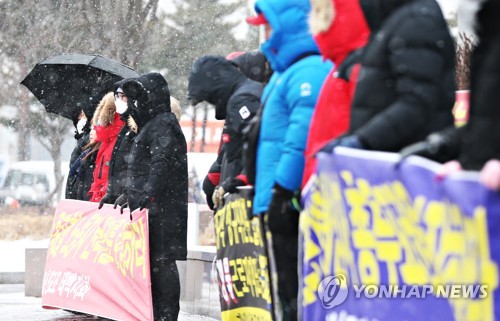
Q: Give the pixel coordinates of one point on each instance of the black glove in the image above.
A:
(145, 202)
(231, 183)
(121, 201)
(104, 199)
(351, 141)
(440, 147)
(283, 218)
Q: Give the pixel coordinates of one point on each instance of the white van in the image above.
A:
(32, 182)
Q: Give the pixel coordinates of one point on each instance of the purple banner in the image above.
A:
(383, 240)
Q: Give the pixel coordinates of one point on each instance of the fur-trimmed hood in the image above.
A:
(339, 27)
(105, 112)
(322, 15)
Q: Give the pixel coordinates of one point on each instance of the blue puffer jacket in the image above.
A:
(289, 97)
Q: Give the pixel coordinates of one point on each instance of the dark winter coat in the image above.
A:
(72, 181)
(88, 177)
(81, 172)
(236, 99)
(157, 168)
(406, 86)
(117, 177)
(480, 139)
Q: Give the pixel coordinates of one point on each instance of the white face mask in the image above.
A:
(121, 106)
(81, 123)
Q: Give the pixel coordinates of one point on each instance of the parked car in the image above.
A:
(32, 183)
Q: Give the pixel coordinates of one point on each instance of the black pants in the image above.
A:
(165, 285)
(285, 248)
(166, 290)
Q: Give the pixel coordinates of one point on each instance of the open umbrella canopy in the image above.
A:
(66, 84)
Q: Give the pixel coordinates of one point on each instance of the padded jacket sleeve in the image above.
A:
(417, 64)
(303, 90)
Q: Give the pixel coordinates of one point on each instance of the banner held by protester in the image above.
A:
(242, 263)
(98, 262)
(383, 240)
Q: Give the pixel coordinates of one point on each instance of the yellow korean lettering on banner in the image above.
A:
(103, 239)
(418, 241)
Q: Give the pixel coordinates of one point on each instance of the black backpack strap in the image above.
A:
(250, 141)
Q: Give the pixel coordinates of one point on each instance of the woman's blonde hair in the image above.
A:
(175, 107)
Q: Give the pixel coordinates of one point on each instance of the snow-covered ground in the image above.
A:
(14, 306)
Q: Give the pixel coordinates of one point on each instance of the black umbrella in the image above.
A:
(66, 84)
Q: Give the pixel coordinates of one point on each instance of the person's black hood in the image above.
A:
(116, 85)
(119, 84)
(75, 117)
(214, 79)
(377, 11)
(148, 96)
(89, 110)
(254, 65)
(488, 24)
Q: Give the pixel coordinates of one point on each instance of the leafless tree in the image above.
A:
(464, 50)
(134, 32)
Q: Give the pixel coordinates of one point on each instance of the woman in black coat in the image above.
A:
(117, 176)
(157, 179)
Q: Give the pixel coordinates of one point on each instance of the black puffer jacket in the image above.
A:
(406, 87)
(73, 180)
(117, 177)
(236, 98)
(157, 167)
(81, 173)
(481, 136)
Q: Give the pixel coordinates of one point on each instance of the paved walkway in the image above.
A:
(14, 306)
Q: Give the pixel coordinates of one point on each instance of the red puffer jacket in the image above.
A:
(107, 137)
(341, 43)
